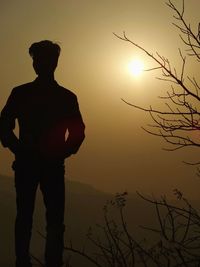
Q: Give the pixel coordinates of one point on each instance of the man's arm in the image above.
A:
(76, 129)
(7, 124)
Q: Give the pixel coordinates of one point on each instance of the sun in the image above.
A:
(136, 67)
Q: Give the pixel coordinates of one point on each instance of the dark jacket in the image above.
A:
(50, 123)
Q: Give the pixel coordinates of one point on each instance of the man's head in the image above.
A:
(45, 57)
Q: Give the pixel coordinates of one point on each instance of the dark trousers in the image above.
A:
(50, 177)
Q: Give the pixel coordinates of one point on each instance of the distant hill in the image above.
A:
(76, 187)
(7, 184)
(84, 208)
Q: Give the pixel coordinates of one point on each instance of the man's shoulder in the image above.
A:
(27, 88)
(22, 87)
(66, 92)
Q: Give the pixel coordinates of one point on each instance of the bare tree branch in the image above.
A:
(178, 122)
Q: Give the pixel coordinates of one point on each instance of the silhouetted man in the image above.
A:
(46, 114)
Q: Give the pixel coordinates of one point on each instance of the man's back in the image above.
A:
(45, 111)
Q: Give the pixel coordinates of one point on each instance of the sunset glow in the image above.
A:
(136, 67)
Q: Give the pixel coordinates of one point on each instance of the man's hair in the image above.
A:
(45, 49)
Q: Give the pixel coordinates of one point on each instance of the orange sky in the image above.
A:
(116, 154)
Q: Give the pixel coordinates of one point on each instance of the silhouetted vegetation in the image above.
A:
(179, 118)
(176, 242)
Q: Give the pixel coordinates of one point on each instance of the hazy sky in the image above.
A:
(116, 154)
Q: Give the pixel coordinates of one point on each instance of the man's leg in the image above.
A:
(26, 186)
(53, 188)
